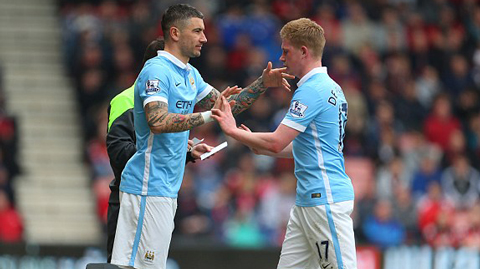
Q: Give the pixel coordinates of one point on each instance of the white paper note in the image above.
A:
(213, 151)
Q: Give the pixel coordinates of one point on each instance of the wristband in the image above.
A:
(207, 116)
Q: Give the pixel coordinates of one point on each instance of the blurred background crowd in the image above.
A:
(410, 70)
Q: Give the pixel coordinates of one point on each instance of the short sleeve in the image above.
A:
(153, 85)
(203, 88)
(305, 106)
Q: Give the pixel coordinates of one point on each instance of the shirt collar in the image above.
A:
(173, 59)
(316, 70)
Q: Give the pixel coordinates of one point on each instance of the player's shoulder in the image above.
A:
(320, 83)
(155, 63)
(155, 68)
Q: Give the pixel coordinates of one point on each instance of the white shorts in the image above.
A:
(319, 235)
(144, 231)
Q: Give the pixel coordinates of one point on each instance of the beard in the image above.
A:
(195, 54)
(190, 51)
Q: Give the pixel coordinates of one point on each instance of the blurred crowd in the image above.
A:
(11, 224)
(410, 70)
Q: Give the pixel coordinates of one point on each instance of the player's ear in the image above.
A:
(304, 51)
(174, 33)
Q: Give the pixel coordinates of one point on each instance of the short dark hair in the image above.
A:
(153, 48)
(178, 14)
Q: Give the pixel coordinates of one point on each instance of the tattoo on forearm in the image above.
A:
(159, 119)
(243, 100)
(209, 101)
(247, 96)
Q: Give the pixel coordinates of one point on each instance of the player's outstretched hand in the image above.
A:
(276, 77)
(223, 115)
(199, 149)
(229, 91)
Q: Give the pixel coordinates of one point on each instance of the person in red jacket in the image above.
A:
(441, 124)
(11, 225)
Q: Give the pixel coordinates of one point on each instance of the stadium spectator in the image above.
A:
(428, 173)
(473, 138)
(262, 27)
(325, 16)
(343, 71)
(439, 233)
(458, 146)
(389, 33)
(414, 148)
(404, 209)
(428, 86)
(460, 183)
(190, 219)
(390, 177)
(418, 43)
(382, 228)
(9, 163)
(358, 119)
(231, 26)
(441, 123)
(467, 106)
(243, 230)
(398, 73)
(274, 207)
(410, 111)
(458, 78)
(11, 224)
(472, 238)
(358, 30)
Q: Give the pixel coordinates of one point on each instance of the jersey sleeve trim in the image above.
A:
(294, 125)
(153, 99)
(204, 93)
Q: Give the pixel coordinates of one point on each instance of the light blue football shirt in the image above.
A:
(318, 110)
(157, 168)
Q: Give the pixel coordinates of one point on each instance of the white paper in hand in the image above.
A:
(213, 151)
(197, 141)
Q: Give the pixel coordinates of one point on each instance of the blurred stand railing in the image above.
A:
(221, 257)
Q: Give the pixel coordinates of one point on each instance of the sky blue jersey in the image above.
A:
(318, 110)
(157, 167)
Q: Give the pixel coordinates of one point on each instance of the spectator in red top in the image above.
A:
(11, 227)
(433, 210)
(441, 124)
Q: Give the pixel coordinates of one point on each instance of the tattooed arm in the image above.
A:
(160, 121)
(243, 100)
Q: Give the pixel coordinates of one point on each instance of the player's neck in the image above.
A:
(309, 66)
(176, 52)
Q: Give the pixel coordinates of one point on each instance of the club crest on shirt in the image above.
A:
(192, 82)
(297, 109)
(149, 256)
(152, 87)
